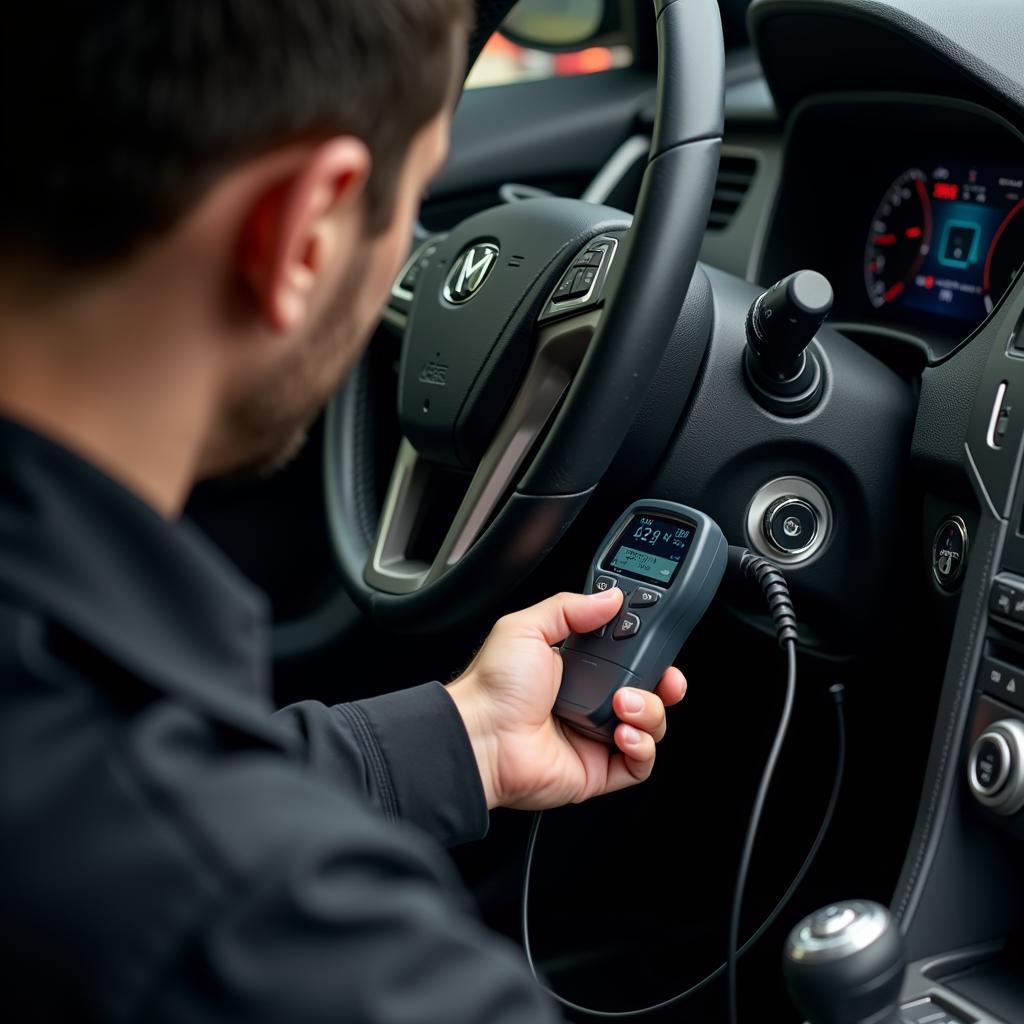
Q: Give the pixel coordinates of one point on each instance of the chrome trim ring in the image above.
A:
(1009, 797)
(771, 494)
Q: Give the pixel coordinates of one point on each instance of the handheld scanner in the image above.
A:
(668, 561)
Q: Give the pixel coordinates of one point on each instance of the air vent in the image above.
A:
(735, 173)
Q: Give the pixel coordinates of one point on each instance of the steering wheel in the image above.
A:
(532, 332)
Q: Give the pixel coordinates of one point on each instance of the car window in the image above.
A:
(503, 61)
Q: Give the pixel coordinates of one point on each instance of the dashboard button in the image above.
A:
(1002, 680)
(995, 768)
(991, 764)
(949, 552)
(1001, 599)
(627, 627)
(603, 583)
(644, 598)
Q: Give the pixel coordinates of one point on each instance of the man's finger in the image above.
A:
(635, 762)
(672, 687)
(640, 709)
(567, 613)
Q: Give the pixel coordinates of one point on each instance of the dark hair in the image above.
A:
(118, 114)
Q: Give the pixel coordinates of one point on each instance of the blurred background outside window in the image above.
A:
(560, 23)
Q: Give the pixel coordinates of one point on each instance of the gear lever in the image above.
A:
(845, 963)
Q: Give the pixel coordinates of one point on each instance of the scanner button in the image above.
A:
(644, 598)
(603, 583)
(628, 626)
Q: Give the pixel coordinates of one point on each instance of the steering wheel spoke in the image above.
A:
(560, 349)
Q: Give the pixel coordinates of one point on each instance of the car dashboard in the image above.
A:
(910, 205)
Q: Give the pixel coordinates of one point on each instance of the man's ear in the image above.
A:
(297, 226)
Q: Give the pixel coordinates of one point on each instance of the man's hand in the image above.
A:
(528, 759)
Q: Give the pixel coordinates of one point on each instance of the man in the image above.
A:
(204, 205)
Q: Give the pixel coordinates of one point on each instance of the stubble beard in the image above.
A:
(271, 425)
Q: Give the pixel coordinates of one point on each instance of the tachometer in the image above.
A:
(946, 242)
(899, 238)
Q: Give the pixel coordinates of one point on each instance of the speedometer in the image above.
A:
(946, 242)
(899, 239)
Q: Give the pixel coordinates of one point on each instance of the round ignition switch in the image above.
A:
(791, 524)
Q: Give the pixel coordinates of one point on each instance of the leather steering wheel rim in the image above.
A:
(628, 338)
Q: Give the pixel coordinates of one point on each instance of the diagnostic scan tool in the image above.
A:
(668, 561)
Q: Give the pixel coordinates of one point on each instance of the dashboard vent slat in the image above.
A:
(735, 175)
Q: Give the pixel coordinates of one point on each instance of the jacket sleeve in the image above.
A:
(406, 752)
(332, 914)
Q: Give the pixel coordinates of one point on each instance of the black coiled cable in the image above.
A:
(772, 583)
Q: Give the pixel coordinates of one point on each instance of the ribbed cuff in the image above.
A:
(430, 759)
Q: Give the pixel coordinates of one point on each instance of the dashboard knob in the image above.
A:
(995, 768)
(845, 963)
(780, 324)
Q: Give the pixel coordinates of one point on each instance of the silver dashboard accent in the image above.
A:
(771, 494)
(993, 422)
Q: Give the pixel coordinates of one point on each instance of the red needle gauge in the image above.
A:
(898, 239)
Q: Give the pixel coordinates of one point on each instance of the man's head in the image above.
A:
(279, 147)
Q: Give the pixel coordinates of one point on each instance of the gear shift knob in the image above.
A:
(845, 963)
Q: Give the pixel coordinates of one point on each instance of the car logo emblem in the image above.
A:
(470, 271)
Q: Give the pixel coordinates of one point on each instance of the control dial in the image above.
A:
(995, 769)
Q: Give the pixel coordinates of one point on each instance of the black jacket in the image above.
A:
(170, 849)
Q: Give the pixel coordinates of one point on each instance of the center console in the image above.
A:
(959, 901)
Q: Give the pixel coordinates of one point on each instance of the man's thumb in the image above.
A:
(567, 613)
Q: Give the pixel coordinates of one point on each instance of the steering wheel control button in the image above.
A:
(599, 633)
(422, 261)
(414, 267)
(627, 627)
(644, 598)
(582, 285)
(603, 583)
(995, 768)
(791, 525)
(1001, 680)
(588, 275)
(949, 552)
(566, 289)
